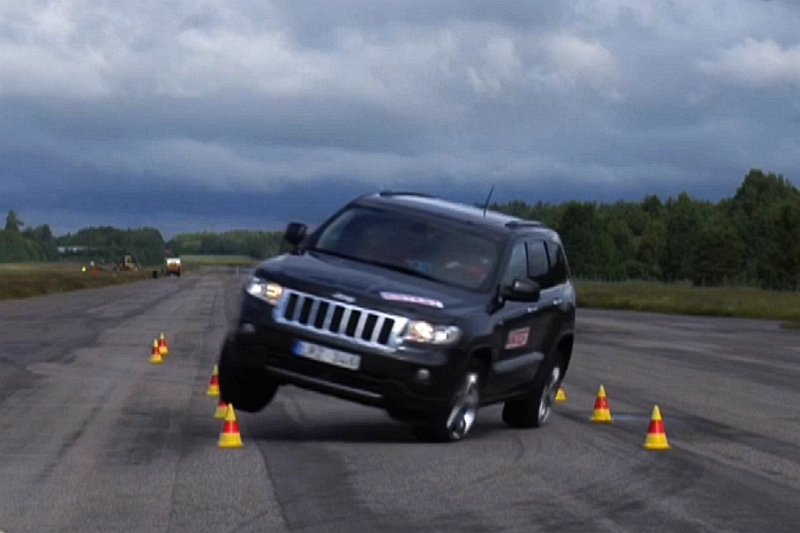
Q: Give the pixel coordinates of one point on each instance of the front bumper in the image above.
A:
(384, 379)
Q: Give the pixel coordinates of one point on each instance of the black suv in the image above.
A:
(423, 307)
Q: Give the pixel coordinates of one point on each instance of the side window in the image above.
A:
(558, 270)
(517, 265)
(538, 263)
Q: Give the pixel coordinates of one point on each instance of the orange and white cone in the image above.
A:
(213, 383)
(602, 413)
(155, 354)
(561, 395)
(163, 347)
(230, 436)
(656, 435)
(222, 410)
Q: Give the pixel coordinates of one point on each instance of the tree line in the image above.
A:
(31, 244)
(751, 239)
(252, 243)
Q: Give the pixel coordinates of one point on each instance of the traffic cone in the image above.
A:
(155, 354)
(163, 347)
(230, 436)
(213, 383)
(602, 414)
(222, 409)
(561, 395)
(656, 436)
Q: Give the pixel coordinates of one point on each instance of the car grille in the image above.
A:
(339, 320)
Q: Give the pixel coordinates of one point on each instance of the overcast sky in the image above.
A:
(192, 115)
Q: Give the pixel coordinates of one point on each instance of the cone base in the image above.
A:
(232, 440)
(561, 396)
(163, 352)
(657, 443)
(602, 417)
(156, 361)
(213, 392)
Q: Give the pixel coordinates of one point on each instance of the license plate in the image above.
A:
(327, 355)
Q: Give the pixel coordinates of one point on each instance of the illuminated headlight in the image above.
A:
(427, 333)
(264, 290)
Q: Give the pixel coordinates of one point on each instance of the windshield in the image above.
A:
(418, 246)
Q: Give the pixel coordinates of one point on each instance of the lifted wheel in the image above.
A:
(248, 389)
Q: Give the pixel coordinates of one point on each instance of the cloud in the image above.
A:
(757, 64)
(102, 99)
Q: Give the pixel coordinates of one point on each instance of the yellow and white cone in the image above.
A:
(602, 413)
(230, 436)
(656, 435)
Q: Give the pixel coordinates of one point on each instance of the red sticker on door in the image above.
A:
(517, 338)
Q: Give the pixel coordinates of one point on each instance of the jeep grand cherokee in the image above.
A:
(426, 308)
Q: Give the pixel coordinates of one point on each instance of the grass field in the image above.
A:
(31, 279)
(25, 280)
(688, 300)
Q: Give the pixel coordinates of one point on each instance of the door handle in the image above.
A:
(532, 309)
(558, 301)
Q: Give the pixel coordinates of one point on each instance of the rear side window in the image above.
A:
(558, 264)
(538, 262)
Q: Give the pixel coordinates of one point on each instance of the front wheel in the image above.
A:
(455, 423)
(534, 408)
(248, 389)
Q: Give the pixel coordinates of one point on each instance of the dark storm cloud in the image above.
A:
(250, 113)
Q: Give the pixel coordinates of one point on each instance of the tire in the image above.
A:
(533, 409)
(248, 389)
(454, 424)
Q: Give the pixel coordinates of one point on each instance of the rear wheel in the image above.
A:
(534, 408)
(455, 423)
(248, 389)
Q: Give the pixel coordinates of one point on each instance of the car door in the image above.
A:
(517, 336)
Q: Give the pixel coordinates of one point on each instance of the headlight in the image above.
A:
(427, 333)
(264, 290)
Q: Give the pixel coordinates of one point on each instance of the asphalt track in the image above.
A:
(94, 438)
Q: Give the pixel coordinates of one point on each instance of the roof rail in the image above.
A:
(404, 193)
(523, 224)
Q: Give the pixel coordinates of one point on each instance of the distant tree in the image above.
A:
(13, 223)
(717, 256)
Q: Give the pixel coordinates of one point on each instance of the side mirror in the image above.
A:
(523, 290)
(294, 234)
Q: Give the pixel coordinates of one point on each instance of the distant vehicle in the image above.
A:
(129, 263)
(174, 266)
(423, 307)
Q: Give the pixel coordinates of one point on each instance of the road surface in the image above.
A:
(94, 438)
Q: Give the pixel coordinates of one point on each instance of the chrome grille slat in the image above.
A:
(298, 307)
(360, 326)
(376, 331)
(322, 311)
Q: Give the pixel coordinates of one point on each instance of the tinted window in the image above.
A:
(538, 264)
(517, 264)
(558, 270)
(419, 245)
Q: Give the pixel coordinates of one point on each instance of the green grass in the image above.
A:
(26, 280)
(216, 260)
(687, 300)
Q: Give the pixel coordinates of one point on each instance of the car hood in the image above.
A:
(327, 275)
